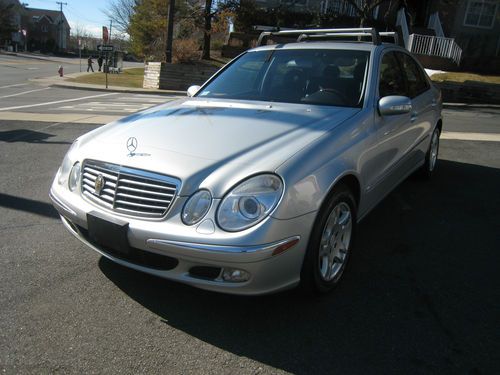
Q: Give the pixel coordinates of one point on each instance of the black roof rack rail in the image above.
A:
(327, 33)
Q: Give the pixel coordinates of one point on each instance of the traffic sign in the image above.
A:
(105, 48)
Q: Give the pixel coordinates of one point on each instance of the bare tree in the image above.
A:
(80, 32)
(121, 11)
(364, 9)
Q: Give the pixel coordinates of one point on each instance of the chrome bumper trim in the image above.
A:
(167, 244)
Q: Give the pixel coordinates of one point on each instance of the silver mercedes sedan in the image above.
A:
(256, 181)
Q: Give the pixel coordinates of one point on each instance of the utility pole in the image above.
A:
(61, 22)
(170, 31)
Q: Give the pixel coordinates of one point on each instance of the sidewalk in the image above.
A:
(56, 81)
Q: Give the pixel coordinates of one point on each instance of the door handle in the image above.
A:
(414, 116)
(434, 103)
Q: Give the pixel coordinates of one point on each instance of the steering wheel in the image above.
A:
(335, 92)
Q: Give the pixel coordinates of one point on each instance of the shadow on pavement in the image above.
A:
(420, 294)
(29, 136)
(28, 205)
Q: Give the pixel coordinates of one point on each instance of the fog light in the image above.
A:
(235, 275)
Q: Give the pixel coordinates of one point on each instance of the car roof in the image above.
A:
(359, 46)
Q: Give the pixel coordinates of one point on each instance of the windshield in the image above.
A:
(313, 76)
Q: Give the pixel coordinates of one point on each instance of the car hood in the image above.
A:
(212, 143)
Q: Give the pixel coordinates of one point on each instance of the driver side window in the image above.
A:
(391, 80)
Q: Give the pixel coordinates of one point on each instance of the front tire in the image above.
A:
(331, 242)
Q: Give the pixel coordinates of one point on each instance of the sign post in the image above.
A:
(106, 48)
(80, 52)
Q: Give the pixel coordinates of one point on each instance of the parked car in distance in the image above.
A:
(256, 181)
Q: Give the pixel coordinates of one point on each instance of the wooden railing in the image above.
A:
(435, 46)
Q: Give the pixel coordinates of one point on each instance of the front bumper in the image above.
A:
(187, 248)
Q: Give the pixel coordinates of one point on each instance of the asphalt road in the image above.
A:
(421, 294)
(18, 69)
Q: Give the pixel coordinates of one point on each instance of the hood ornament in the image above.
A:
(131, 145)
(99, 184)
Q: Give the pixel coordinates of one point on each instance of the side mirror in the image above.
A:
(394, 105)
(192, 90)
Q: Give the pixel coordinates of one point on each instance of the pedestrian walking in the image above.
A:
(89, 66)
(99, 62)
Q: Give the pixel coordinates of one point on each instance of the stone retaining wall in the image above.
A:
(176, 76)
(470, 92)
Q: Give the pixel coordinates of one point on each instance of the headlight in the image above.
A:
(249, 202)
(67, 164)
(196, 207)
(74, 177)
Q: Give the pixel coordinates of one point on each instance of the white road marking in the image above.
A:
(110, 106)
(466, 136)
(148, 96)
(24, 92)
(117, 104)
(138, 100)
(56, 102)
(84, 118)
(16, 85)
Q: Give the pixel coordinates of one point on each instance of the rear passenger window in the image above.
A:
(391, 80)
(415, 77)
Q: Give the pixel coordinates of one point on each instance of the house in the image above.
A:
(475, 27)
(47, 30)
(12, 39)
(442, 34)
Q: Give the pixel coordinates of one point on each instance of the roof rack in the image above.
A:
(329, 33)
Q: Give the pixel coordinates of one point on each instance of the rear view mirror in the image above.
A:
(394, 105)
(192, 90)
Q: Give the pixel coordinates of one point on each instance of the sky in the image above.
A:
(86, 13)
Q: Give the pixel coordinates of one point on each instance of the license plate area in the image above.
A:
(110, 233)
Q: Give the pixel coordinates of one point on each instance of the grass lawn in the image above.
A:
(463, 77)
(128, 78)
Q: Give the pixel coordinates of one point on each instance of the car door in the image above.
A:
(390, 129)
(423, 109)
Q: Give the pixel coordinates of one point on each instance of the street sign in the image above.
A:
(105, 48)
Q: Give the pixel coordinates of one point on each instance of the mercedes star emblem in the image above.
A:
(132, 144)
(99, 184)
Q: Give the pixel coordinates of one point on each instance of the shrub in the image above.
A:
(186, 50)
(217, 45)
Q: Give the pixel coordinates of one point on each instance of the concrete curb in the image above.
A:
(470, 106)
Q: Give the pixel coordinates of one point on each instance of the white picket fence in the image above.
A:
(435, 46)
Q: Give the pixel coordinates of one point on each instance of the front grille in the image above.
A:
(129, 191)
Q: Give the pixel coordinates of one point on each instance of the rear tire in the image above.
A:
(331, 242)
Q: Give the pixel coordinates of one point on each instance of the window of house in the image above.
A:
(44, 28)
(480, 13)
